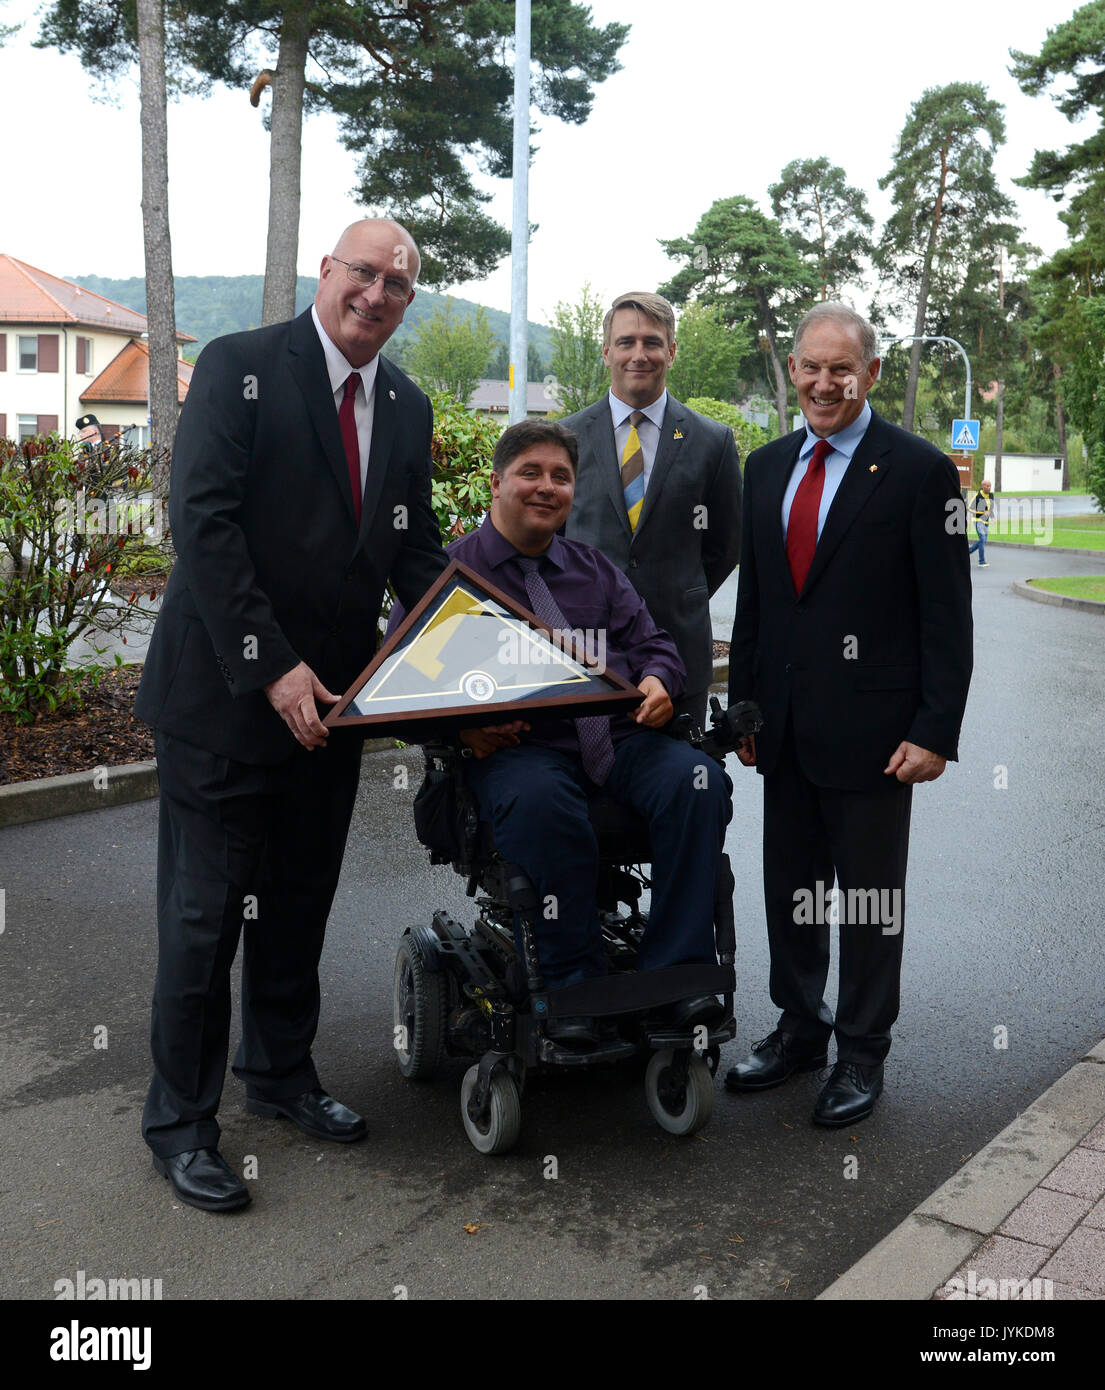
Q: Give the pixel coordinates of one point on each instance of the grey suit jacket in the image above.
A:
(687, 540)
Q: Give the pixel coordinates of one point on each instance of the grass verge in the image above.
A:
(1091, 586)
(1068, 532)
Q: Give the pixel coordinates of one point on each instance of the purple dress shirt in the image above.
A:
(594, 595)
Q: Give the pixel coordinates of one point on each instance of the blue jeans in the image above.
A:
(982, 529)
(536, 801)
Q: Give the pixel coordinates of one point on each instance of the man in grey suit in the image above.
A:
(659, 487)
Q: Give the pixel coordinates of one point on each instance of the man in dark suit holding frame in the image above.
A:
(853, 632)
(300, 484)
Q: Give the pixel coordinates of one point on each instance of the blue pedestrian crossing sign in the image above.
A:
(964, 434)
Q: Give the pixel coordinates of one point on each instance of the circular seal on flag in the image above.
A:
(478, 685)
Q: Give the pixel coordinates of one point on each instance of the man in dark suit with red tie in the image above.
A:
(300, 485)
(853, 632)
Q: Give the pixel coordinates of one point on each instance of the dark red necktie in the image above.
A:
(348, 422)
(802, 525)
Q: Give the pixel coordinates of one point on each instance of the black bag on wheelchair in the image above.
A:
(438, 819)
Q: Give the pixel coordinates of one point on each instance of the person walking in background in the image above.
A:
(981, 509)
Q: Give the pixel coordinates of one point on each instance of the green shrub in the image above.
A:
(463, 444)
(68, 519)
(1095, 476)
(749, 436)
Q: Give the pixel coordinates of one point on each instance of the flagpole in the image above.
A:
(519, 242)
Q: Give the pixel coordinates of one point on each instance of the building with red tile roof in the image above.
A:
(66, 351)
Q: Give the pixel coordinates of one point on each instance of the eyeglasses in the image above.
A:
(366, 277)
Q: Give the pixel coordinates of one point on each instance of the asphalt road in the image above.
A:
(1004, 930)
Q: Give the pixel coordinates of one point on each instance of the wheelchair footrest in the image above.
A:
(635, 990)
(616, 1050)
(685, 1037)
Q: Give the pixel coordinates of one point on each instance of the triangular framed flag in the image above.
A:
(466, 656)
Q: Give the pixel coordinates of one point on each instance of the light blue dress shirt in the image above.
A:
(650, 438)
(845, 443)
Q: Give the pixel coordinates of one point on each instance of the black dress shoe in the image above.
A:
(772, 1060)
(203, 1178)
(702, 1008)
(316, 1114)
(849, 1094)
(573, 1030)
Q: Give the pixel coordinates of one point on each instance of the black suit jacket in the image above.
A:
(687, 539)
(877, 648)
(271, 568)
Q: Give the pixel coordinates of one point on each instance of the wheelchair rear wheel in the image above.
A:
(498, 1132)
(681, 1102)
(421, 1007)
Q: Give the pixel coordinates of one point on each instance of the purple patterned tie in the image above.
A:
(596, 747)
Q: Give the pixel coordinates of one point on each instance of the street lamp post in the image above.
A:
(927, 338)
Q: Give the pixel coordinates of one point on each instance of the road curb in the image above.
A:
(1046, 549)
(1080, 605)
(47, 797)
(922, 1253)
(95, 790)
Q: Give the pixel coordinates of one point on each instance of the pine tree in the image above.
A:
(743, 263)
(825, 220)
(944, 192)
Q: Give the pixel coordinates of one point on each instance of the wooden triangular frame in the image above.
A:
(419, 725)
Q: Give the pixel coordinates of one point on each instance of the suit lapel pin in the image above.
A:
(391, 394)
(678, 434)
(874, 468)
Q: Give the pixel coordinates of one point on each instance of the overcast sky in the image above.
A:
(714, 98)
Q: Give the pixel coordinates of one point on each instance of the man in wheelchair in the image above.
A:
(532, 782)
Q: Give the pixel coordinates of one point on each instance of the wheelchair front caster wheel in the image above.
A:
(681, 1104)
(497, 1132)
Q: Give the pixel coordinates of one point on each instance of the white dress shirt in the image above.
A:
(365, 399)
(648, 434)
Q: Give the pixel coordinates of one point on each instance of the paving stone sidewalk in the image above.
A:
(1024, 1219)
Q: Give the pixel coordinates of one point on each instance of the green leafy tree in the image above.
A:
(743, 263)
(826, 220)
(747, 433)
(576, 365)
(450, 354)
(1066, 326)
(1085, 392)
(992, 312)
(499, 370)
(422, 92)
(1074, 52)
(708, 354)
(944, 192)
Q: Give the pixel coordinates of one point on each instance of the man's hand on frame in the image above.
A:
(293, 697)
(909, 763)
(657, 708)
(484, 742)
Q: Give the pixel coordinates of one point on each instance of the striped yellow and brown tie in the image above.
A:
(633, 470)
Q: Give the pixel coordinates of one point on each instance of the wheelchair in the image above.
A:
(478, 992)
